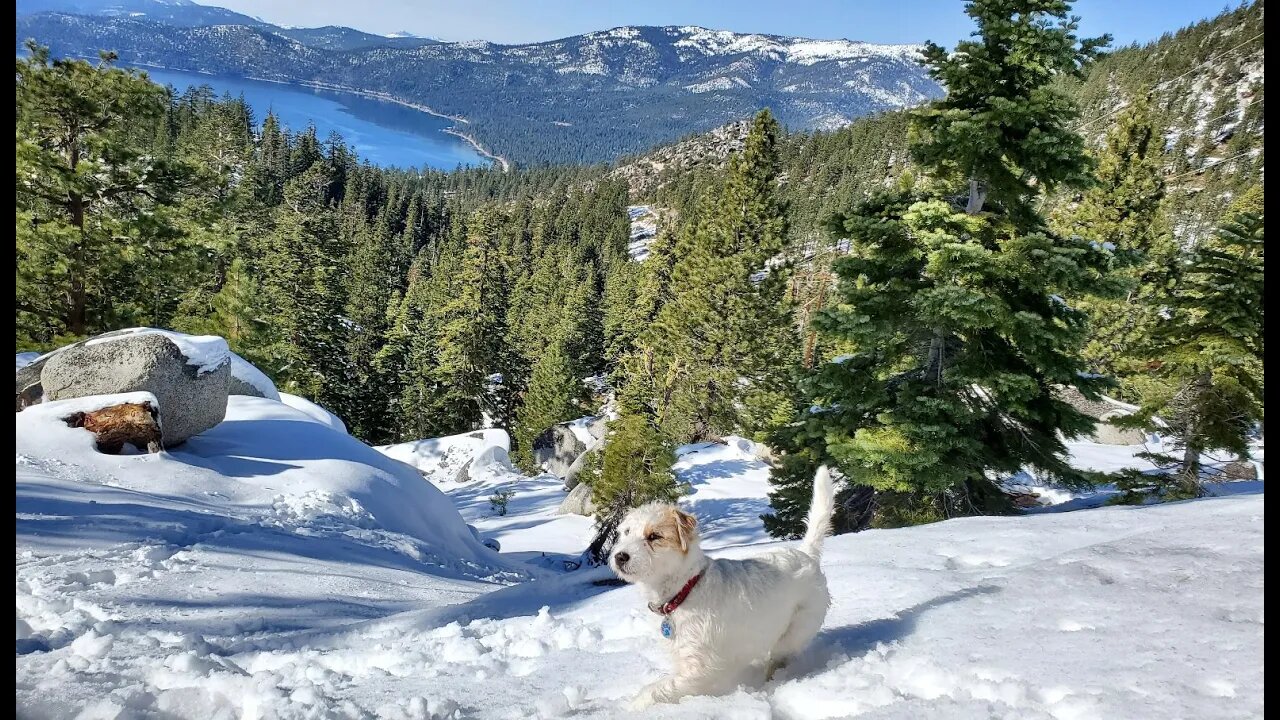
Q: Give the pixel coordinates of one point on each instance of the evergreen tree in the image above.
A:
(619, 305)
(634, 293)
(554, 396)
(950, 299)
(302, 263)
(1209, 357)
(235, 314)
(636, 467)
(1122, 210)
(457, 324)
(95, 222)
(369, 288)
(724, 339)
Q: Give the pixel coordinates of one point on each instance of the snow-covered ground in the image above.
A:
(275, 567)
(644, 227)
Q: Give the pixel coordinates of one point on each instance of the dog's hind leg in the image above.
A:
(805, 624)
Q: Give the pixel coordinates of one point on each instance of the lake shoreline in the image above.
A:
(506, 166)
(317, 85)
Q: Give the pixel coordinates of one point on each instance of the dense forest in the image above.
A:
(886, 298)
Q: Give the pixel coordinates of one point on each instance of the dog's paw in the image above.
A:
(642, 700)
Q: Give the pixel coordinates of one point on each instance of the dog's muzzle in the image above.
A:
(620, 560)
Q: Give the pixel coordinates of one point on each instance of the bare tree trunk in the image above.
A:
(1191, 444)
(77, 321)
(977, 196)
(934, 362)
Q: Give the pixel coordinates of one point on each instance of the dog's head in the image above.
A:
(654, 542)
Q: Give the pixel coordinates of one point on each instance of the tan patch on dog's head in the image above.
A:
(675, 530)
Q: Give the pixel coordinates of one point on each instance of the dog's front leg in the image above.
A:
(673, 687)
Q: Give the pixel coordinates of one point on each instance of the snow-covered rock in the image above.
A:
(559, 445)
(189, 382)
(29, 390)
(314, 411)
(578, 501)
(573, 475)
(245, 378)
(249, 380)
(447, 459)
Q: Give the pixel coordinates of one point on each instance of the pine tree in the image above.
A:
(268, 175)
(724, 340)
(372, 278)
(554, 396)
(407, 356)
(95, 220)
(453, 322)
(951, 299)
(1208, 355)
(636, 464)
(1122, 210)
(235, 313)
(302, 260)
(634, 293)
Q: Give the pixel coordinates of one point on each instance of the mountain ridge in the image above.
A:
(584, 98)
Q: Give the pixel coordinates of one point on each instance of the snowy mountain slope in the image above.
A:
(270, 487)
(589, 97)
(1118, 612)
(471, 467)
(275, 567)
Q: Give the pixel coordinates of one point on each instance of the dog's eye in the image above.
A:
(652, 537)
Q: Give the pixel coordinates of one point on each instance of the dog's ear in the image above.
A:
(685, 524)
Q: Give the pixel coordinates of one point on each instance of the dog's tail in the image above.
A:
(820, 510)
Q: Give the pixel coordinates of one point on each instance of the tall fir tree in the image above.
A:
(554, 396)
(1208, 356)
(1123, 211)
(302, 260)
(951, 300)
(372, 278)
(457, 346)
(724, 339)
(96, 226)
(636, 464)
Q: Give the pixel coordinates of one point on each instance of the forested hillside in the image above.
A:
(587, 98)
(427, 304)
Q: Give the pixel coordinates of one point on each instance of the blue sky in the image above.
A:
(517, 21)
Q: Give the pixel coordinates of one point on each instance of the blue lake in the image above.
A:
(384, 133)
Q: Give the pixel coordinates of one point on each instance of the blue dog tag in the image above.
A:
(666, 629)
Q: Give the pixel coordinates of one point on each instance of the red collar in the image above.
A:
(671, 605)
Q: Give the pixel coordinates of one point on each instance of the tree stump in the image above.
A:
(137, 424)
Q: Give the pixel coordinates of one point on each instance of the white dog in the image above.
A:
(730, 622)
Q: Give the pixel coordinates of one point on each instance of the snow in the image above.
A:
(580, 430)
(26, 358)
(440, 459)
(266, 465)
(801, 51)
(275, 567)
(719, 83)
(532, 529)
(314, 412)
(730, 490)
(247, 373)
(644, 227)
(206, 352)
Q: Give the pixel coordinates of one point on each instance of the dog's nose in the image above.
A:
(621, 558)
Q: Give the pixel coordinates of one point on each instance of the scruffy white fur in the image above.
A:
(744, 618)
